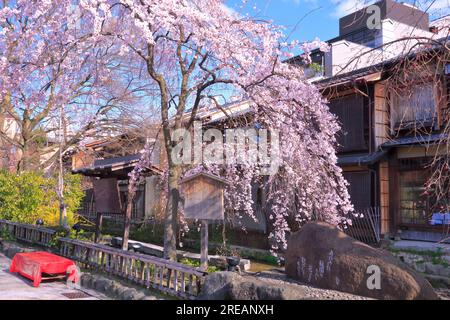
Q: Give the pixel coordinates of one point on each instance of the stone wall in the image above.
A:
(116, 289)
(433, 265)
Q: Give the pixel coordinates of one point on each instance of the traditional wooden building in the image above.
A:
(116, 157)
(393, 109)
(385, 148)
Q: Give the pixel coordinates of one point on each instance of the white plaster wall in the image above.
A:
(345, 56)
(394, 30)
(348, 56)
(10, 127)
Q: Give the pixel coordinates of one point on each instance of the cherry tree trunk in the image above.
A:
(127, 220)
(171, 214)
(24, 162)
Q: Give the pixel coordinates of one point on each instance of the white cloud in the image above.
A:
(298, 2)
(345, 7)
(230, 10)
(437, 8)
(437, 4)
(295, 2)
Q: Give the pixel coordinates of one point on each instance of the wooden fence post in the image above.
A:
(98, 226)
(204, 246)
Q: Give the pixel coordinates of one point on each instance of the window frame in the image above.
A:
(401, 125)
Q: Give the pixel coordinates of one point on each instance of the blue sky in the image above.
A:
(307, 19)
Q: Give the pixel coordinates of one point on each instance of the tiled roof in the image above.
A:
(117, 160)
(362, 159)
(118, 165)
(427, 138)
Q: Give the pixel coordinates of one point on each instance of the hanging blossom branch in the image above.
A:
(194, 49)
(137, 176)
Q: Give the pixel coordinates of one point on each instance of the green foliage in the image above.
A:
(196, 264)
(429, 253)
(72, 234)
(5, 234)
(40, 137)
(436, 257)
(28, 196)
(73, 193)
(439, 260)
(316, 67)
(270, 259)
(227, 251)
(149, 233)
(20, 195)
(61, 232)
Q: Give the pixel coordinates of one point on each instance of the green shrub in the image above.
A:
(5, 234)
(28, 196)
(269, 259)
(148, 233)
(196, 264)
(62, 232)
(227, 251)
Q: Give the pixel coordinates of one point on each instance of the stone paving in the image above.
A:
(16, 287)
(422, 246)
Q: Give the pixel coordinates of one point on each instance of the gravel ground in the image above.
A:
(444, 294)
(278, 278)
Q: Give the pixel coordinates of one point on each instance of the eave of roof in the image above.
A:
(352, 76)
(365, 159)
(117, 160)
(207, 175)
(120, 166)
(348, 77)
(420, 139)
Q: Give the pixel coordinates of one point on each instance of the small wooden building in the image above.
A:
(204, 196)
(106, 173)
(204, 200)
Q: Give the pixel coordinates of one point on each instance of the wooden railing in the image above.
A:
(29, 233)
(152, 272)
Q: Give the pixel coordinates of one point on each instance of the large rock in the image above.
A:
(322, 255)
(232, 286)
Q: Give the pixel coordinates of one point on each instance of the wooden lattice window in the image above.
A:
(350, 111)
(414, 207)
(413, 106)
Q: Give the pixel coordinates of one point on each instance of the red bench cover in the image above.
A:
(32, 264)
